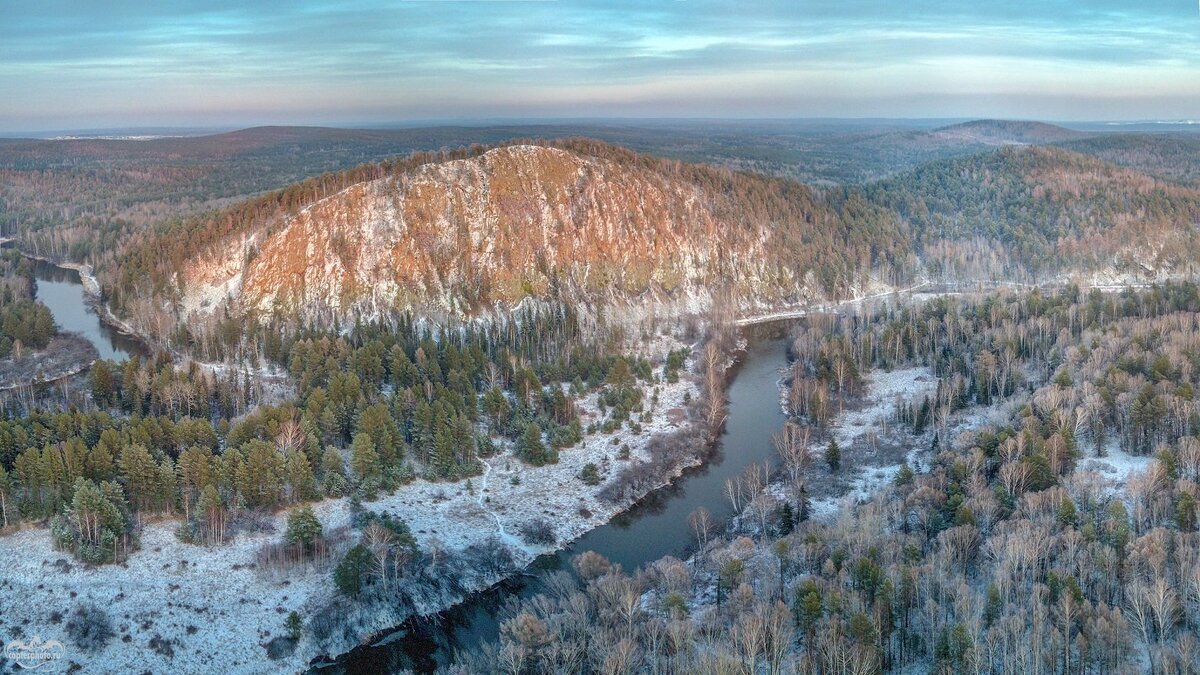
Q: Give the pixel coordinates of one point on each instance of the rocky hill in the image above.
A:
(476, 233)
(480, 232)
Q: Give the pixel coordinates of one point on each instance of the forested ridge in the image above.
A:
(1016, 213)
(1042, 211)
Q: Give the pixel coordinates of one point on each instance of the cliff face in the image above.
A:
(479, 235)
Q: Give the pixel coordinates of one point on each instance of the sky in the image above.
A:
(123, 63)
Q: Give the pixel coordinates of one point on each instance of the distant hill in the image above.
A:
(1008, 132)
(1172, 156)
(1045, 210)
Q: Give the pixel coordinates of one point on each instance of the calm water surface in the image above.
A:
(62, 291)
(656, 527)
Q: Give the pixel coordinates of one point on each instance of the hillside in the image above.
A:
(470, 233)
(457, 235)
(1041, 211)
(1007, 132)
(1174, 157)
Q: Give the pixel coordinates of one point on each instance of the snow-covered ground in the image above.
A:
(209, 604)
(1112, 474)
(1116, 465)
(858, 430)
(873, 292)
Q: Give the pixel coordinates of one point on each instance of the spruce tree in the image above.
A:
(303, 527)
(531, 448)
(833, 455)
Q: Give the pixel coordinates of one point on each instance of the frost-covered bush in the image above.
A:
(538, 531)
(89, 627)
(589, 474)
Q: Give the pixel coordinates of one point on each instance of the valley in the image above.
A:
(495, 380)
(594, 338)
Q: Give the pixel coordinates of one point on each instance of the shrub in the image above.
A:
(589, 474)
(89, 628)
(538, 531)
(675, 606)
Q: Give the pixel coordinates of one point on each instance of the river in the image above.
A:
(61, 290)
(656, 527)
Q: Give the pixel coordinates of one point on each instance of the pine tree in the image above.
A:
(140, 476)
(212, 510)
(103, 384)
(195, 472)
(260, 477)
(442, 462)
(166, 486)
(302, 486)
(54, 476)
(364, 461)
(303, 527)
(99, 463)
(27, 468)
(349, 573)
(377, 422)
(94, 523)
(333, 470)
(1185, 512)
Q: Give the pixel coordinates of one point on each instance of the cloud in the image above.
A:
(170, 61)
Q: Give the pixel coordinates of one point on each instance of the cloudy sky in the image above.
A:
(173, 62)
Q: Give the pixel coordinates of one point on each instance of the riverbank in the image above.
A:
(92, 292)
(66, 355)
(172, 603)
(95, 296)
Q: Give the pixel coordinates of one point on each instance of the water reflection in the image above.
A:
(655, 527)
(62, 291)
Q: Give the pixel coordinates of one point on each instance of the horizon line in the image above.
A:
(199, 130)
